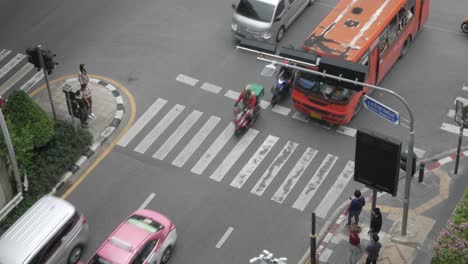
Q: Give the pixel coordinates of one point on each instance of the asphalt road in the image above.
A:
(145, 45)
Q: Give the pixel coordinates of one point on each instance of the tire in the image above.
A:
(166, 256)
(280, 34)
(274, 100)
(406, 46)
(311, 2)
(464, 27)
(75, 255)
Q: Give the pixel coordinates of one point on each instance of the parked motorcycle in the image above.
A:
(464, 25)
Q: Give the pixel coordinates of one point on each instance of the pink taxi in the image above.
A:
(145, 237)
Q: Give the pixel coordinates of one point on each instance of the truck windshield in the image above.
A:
(312, 85)
(255, 9)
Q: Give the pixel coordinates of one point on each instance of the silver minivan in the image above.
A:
(265, 20)
(52, 231)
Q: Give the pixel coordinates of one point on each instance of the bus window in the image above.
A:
(393, 30)
(383, 42)
(401, 19)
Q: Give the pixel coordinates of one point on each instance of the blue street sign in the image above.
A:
(382, 110)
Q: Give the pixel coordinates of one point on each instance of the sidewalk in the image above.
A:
(108, 107)
(429, 207)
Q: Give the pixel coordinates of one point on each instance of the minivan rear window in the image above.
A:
(256, 10)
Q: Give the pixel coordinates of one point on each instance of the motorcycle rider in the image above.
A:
(249, 99)
(287, 74)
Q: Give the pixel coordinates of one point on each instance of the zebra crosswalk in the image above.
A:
(292, 174)
(16, 73)
(450, 125)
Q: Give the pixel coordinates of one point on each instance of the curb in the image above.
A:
(102, 137)
(331, 229)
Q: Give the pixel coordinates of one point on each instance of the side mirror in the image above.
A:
(234, 6)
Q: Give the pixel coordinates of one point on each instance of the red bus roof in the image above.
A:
(351, 27)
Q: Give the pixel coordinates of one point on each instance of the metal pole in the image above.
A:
(374, 198)
(313, 242)
(411, 128)
(11, 152)
(460, 136)
(41, 60)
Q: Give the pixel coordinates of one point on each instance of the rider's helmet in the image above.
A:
(247, 92)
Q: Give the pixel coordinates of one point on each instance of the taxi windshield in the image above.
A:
(311, 84)
(255, 9)
(145, 223)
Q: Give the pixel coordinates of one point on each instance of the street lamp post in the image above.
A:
(409, 163)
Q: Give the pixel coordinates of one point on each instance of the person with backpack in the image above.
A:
(355, 207)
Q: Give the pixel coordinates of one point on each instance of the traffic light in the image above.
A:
(33, 57)
(403, 160)
(49, 62)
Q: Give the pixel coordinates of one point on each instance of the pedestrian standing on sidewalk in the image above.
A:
(82, 108)
(354, 245)
(84, 80)
(355, 207)
(376, 221)
(373, 250)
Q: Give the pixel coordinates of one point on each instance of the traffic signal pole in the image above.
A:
(41, 60)
(409, 163)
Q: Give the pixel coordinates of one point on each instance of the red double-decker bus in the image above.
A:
(374, 33)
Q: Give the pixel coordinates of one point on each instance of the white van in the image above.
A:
(52, 231)
(265, 20)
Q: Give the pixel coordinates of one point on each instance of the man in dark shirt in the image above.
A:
(376, 221)
(355, 207)
(373, 250)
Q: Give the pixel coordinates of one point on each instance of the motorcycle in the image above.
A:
(279, 90)
(241, 121)
(464, 25)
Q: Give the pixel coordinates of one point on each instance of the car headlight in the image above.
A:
(234, 26)
(266, 35)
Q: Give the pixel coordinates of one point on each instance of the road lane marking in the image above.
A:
(211, 88)
(463, 100)
(142, 121)
(211, 153)
(294, 175)
(281, 110)
(177, 135)
(234, 155)
(274, 168)
(224, 237)
(254, 161)
(300, 116)
(16, 77)
(453, 129)
(11, 64)
(196, 141)
(451, 113)
(147, 201)
(334, 192)
(32, 81)
(106, 152)
(187, 79)
(346, 131)
(419, 152)
(232, 94)
(4, 53)
(264, 104)
(314, 183)
(159, 128)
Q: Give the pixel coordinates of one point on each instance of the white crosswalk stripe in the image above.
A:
(254, 161)
(210, 154)
(32, 81)
(177, 135)
(142, 121)
(16, 77)
(159, 128)
(11, 64)
(314, 183)
(294, 175)
(334, 192)
(234, 155)
(274, 168)
(4, 53)
(453, 129)
(196, 141)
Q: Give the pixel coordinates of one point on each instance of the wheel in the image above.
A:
(75, 255)
(280, 34)
(464, 27)
(274, 100)
(311, 2)
(166, 255)
(406, 46)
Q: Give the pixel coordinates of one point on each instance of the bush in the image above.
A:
(452, 244)
(29, 126)
(50, 163)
